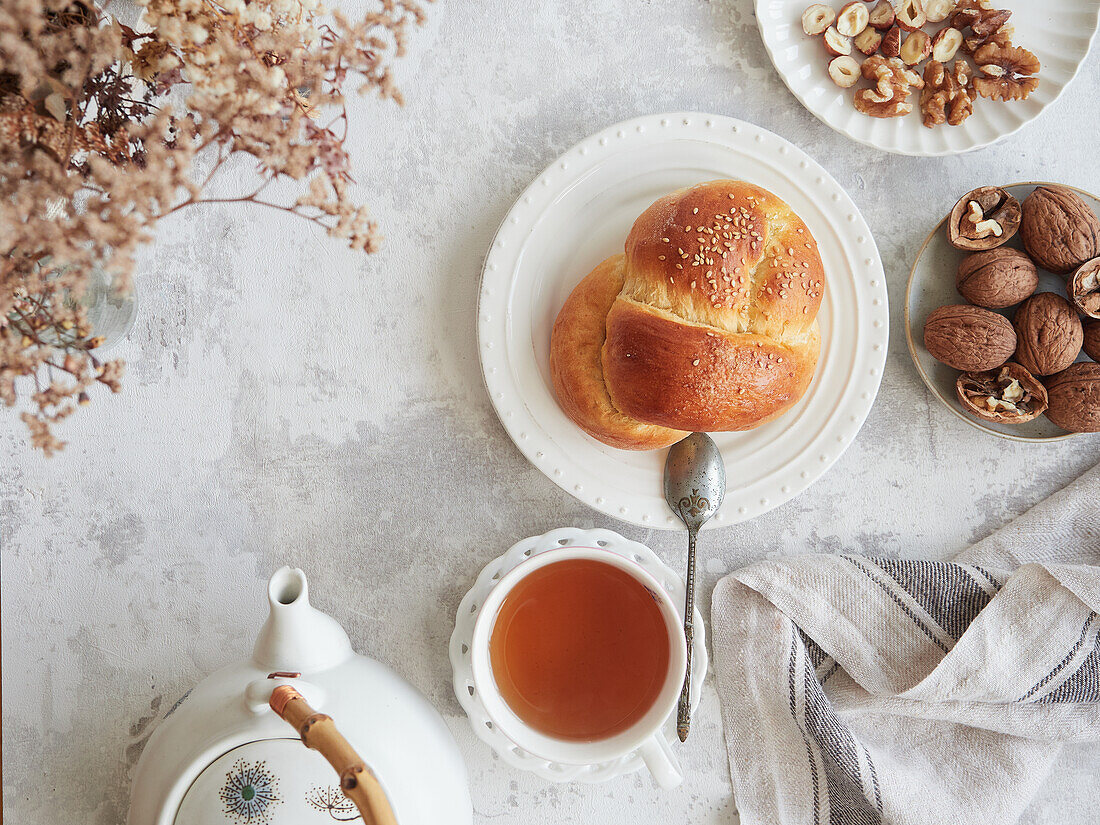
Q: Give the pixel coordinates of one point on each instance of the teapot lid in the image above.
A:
(267, 782)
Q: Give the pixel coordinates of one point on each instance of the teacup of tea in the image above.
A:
(578, 655)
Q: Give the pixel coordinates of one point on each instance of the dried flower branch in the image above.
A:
(102, 129)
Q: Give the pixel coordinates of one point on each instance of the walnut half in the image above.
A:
(890, 95)
(983, 219)
(1008, 72)
(946, 94)
(1008, 395)
(1084, 288)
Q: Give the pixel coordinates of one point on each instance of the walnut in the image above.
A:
(983, 219)
(1058, 229)
(946, 94)
(969, 338)
(1091, 344)
(1008, 72)
(984, 22)
(1008, 394)
(996, 278)
(890, 95)
(1073, 398)
(1084, 288)
(1048, 334)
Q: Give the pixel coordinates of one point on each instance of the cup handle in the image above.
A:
(661, 761)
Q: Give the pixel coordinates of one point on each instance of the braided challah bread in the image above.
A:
(708, 322)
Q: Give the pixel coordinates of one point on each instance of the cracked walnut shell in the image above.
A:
(1073, 398)
(890, 95)
(1007, 395)
(946, 94)
(1007, 72)
(1048, 334)
(969, 338)
(1084, 289)
(983, 218)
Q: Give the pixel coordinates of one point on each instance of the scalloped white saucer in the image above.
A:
(464, 629)
(579, 211)
(1058, 32)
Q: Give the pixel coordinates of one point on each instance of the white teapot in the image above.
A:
(224, 757)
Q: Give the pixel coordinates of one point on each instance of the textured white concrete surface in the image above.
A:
(288, 401)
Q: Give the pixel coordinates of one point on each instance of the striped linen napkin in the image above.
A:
(862, 690)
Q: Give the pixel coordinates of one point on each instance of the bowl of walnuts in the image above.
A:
(1002, 311)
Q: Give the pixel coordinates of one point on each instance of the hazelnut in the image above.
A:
(1008, 394)
(983, 219)
(1073, 398)
(938, 10)
(910, 15)
(1084, 288)
(853, 19)
(1058, 229)
(1048, 334)
(996, 278)
(969, 338)
(882, 15)
(1091, 344)
(817, 18)
(917, 46)
(868, 41)
(946, 44)
(836, 43)
(891, 43)
(844, 71)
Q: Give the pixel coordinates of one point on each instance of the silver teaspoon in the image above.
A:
(695, 483)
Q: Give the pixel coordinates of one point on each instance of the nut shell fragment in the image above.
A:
(1084, 288)
(969, 338)
(996, 278)
(1073, 398)
(1058, 229)
(1007, 395)
(983, 218)
(1048, 334)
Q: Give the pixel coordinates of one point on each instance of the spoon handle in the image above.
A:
(683, 712)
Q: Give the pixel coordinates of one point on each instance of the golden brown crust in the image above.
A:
(663, 371)
(577, 373)
(712, 327)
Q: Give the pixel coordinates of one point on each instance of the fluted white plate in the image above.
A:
(577, 213)
(1058, 32)
(466, 618)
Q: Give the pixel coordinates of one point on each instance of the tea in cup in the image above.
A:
(579, 658)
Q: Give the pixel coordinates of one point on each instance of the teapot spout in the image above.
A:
(297, 636)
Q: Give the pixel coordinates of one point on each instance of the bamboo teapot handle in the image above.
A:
(319, 732)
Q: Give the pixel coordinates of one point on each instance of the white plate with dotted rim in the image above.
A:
(932, 284)
(577, 213)
(471, 604)
(1058, 32)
